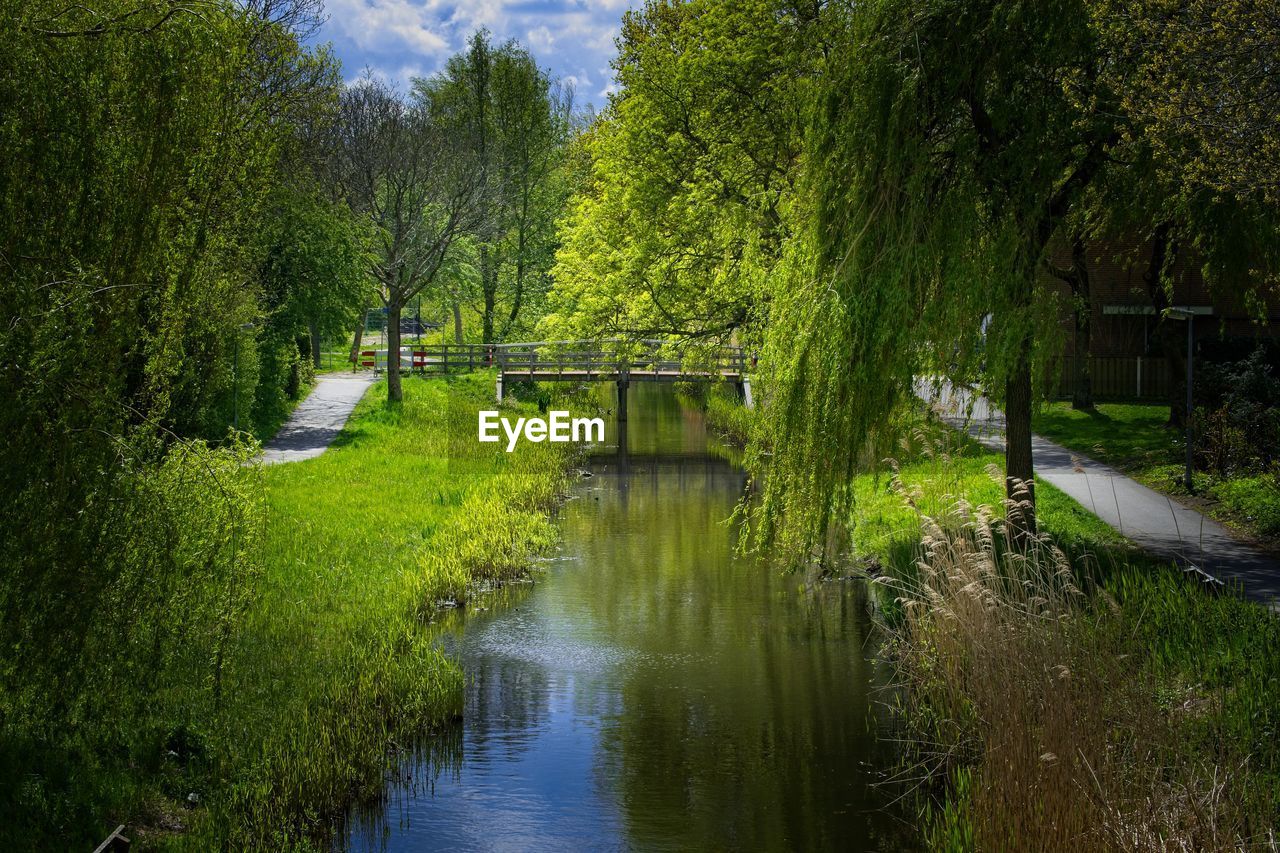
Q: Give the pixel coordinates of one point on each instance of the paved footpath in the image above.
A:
(1155, 522)
(318, 419)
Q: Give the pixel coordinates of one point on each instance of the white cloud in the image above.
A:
(404, 38)
(471, 15)
(387, 24)
(539, 40)
(577, 82)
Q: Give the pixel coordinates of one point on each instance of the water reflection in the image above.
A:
(655, 690)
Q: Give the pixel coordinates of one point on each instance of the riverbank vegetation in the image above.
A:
(334, 669)
(1068, 687)
(1082, 695)
(278, 709)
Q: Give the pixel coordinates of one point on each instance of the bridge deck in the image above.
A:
(553, 374)
(613, 360)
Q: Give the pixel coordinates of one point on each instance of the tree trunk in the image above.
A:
(314, 331)
(1082, 393)
(394, 392)
(521, 246)
(490, 298)
(358, 339)
(489, 289)
(457, 323)
(1019, 468)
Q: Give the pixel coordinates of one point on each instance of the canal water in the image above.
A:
(653, 689)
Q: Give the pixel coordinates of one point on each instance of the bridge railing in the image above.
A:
(619, 357)
(607, 356)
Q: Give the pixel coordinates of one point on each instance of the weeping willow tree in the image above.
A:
(948, 144)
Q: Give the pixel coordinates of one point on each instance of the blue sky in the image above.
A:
(401, 39)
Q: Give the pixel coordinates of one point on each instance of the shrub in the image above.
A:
(117, 623)
(1238, 422)
(1256, 499)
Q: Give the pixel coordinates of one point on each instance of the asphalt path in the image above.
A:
(1152, 521)
(318, 419)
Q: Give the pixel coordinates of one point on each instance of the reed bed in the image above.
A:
(1040, 712)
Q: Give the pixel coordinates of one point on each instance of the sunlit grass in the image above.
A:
(941, 467)
(335, 662)
(1134, 439)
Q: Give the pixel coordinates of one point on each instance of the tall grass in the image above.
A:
(335, 667)
(1055, 719)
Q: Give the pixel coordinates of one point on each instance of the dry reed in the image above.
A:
(1022, 690)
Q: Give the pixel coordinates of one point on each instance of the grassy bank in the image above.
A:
(362, 544)
(1133, 439)
(1071, 691)
(329, 671)
(723, 408)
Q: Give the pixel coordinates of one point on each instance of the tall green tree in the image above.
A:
(949, 145)
(414, 179)
(313, 281)
(692, 167)
(517, 122)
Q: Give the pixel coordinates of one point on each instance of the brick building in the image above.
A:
(1132, 353)
(1124, 314)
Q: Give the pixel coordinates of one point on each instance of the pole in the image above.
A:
(1191, 320)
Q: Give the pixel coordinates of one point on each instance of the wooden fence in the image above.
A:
(1117, 378)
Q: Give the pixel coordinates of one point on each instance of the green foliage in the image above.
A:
(1240, 431)
(143, 143)
(684, 209)
(1201, 79)
(313, 284)
(518, 122)
(1253, 501)
(413, 179)
(112, 668)
(947, 143)
(727, 415)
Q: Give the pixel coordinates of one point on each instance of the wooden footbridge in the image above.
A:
(613, 360)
